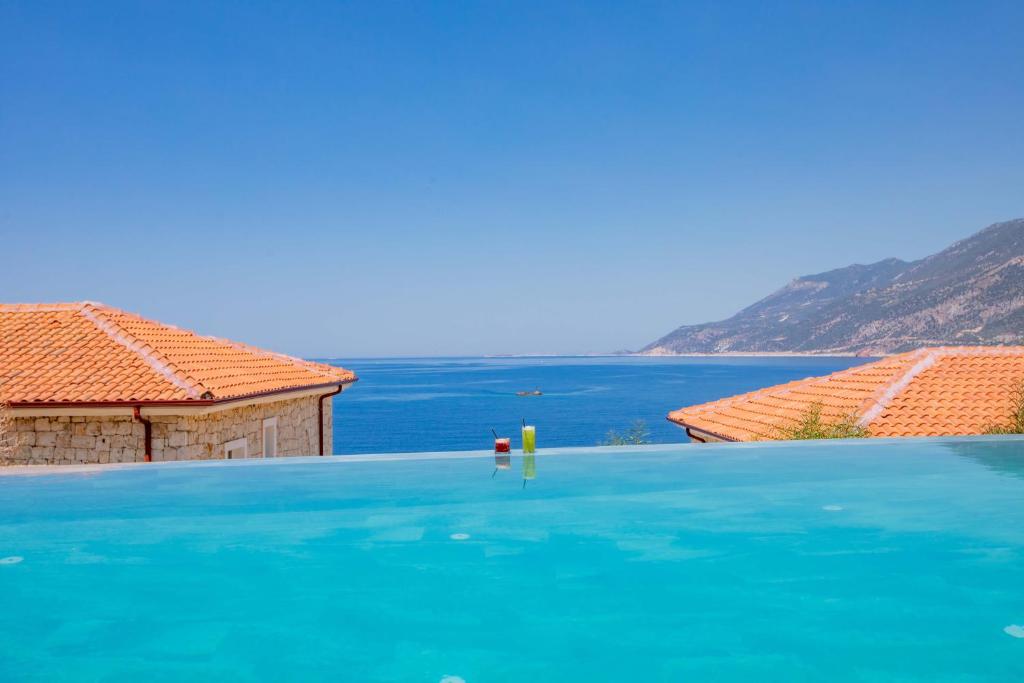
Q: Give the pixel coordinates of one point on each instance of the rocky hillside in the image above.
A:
(970, 293)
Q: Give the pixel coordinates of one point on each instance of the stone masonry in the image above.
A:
(66, 440)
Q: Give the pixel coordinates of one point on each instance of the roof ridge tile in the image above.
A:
(241, 346)
(884, 395)
(157, 361)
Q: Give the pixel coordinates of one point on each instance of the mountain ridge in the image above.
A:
(972, 292)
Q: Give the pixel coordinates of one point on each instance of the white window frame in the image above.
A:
(238, 444)
(269, 422)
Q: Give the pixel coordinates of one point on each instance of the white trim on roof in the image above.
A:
(143, 351)
(895, 388)
(174, 410)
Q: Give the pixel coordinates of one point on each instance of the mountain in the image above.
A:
(969, 293)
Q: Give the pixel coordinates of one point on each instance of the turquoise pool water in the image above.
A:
(848, 561)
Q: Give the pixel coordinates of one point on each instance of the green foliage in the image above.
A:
(810, 425)
(636, 435)
(1015, 423)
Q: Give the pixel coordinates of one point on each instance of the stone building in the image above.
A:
(87, 383)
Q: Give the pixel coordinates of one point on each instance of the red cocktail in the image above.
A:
(503, 445)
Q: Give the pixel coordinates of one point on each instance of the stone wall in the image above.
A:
(64, 440)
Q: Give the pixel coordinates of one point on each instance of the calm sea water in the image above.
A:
(441, 404)
(846, 562)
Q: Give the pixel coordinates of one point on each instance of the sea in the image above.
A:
(407, 405)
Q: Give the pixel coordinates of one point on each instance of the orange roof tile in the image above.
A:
(929, 392)
(91, 353)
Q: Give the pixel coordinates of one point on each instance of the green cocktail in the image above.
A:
(529, 439)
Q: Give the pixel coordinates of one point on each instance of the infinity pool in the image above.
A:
(851, 561)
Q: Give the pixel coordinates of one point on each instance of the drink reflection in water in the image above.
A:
(529, 468)
(502, 461)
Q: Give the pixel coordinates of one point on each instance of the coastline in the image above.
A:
(762, 354)
(668, 354)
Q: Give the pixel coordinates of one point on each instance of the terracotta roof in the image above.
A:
(929, 392)
(90, 353)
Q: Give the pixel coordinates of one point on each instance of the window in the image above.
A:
(237, 449)
(270, 437)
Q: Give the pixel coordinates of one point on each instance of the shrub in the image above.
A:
(810, 425)
(1015, 423)
(636, 435)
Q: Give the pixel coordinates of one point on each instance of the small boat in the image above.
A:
(535, 392)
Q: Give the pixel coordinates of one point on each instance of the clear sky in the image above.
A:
(341, 179)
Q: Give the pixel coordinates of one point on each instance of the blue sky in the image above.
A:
(345, 179)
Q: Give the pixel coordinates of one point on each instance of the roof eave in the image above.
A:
(197, 402)
(687, 425)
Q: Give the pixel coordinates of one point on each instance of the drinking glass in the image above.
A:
(529, 439)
